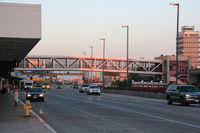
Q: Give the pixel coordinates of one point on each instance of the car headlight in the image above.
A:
(43, 86)
(47, 86)
(90, 90)
(41, 95)
(187, 96)
(28, 95)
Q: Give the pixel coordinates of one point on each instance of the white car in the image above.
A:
(93, 89)
(83, 88)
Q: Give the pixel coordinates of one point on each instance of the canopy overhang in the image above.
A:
(20, 31)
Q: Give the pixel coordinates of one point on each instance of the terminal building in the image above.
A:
(20, 31)
(188, 45)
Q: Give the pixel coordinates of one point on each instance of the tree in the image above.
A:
(135, 77)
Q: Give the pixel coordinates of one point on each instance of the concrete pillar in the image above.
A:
(163, 70)
(168, 70)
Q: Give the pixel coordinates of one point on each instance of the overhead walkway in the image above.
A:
(86, 63)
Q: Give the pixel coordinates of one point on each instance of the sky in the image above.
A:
(70, 26)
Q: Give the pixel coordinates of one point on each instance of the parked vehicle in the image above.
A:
(185, 94)
(83, 88)
(93, 89)
(35, 93)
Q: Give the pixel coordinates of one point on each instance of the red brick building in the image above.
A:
(169, 74)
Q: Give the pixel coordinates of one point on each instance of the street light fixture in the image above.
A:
(91, 59)
(103, 39)
(176, 4)
(127, 27)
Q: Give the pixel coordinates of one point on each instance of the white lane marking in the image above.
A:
(41, 120)
(136, 112)
(153, 116)
(138, 99)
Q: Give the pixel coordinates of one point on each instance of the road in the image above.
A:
(68, 111)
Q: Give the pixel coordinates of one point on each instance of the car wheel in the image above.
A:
(188, 104)
(169, 101)
(42, 100)
(88, 93)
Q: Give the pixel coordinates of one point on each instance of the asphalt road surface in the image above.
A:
(68, 111)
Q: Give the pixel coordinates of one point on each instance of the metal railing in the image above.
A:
(85, 63)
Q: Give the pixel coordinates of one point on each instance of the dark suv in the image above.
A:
(185, 94)
(35, 93)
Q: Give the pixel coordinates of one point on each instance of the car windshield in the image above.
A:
(189, 89)
(35, 90)
(94, 87)
(28, 84)
(85, 85)
(45, 83)
(38, 84)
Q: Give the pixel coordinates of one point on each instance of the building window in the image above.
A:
(181, 69)
(171, 68)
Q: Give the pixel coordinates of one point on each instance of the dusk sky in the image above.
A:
(70, 26)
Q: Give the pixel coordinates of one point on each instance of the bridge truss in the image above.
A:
(95, 64)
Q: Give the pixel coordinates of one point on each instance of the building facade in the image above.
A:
(169, 69)
(188, 45)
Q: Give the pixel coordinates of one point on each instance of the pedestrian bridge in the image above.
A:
(86, 63)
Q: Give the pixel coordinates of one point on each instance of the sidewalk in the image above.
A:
(12, 119)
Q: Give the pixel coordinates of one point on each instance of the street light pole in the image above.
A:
(91, 59)
(103, 60)
(85, 73)
(177, 37)
(127, 27)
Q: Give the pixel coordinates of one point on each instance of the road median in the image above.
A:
(135, 92)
